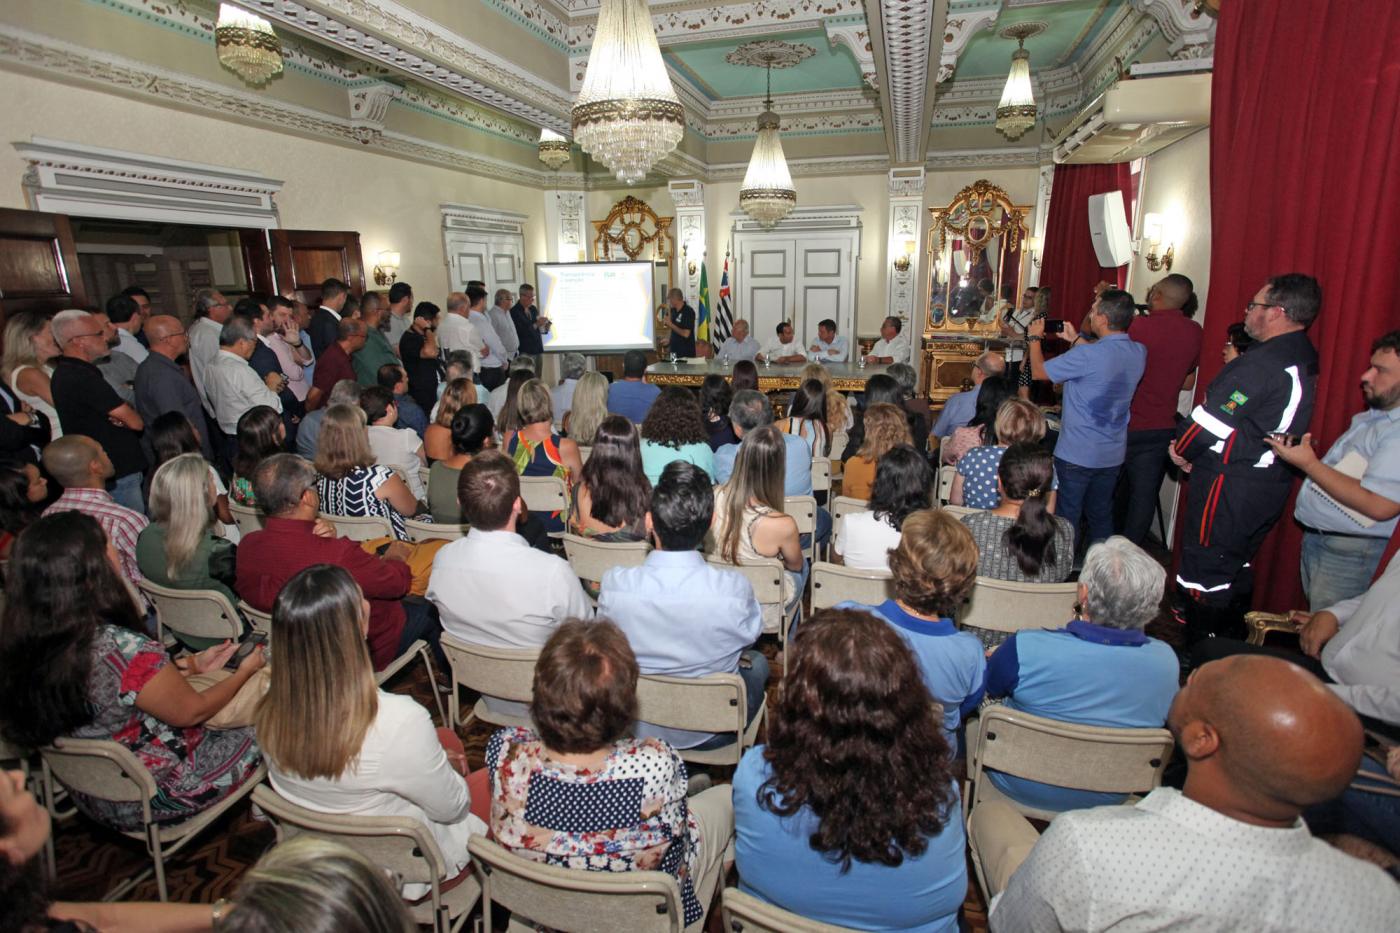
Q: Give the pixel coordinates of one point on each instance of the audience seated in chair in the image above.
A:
(1099, 670)
(807, 417)
(885, 429)
(437, 437)
(82, 468)
(675, 429)
(344, 392)
(536, 449)
(1021, 539)
(849, 815)
(351, 482)
(337, 743)
(715, 396)
(473, 430)
(981, 430)
(261, 433)
(171, 435)
(903, 486)
(75, 662)
(293, 539)
(934, 568)
(588, 409)
(749, 519)
(975, 481)
(23, 490)
(611, 498)
(578, 793)
(1263, 740)
(682, 616)
(400, 449)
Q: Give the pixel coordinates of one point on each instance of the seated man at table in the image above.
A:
(739, 345)
(828, 347)
(630, 396)
(783, 347)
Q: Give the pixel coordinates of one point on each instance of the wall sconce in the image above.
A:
(905, 258)
(386, 267)
(1033, 248)
(1158, 243)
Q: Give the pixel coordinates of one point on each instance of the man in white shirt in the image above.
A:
(455, 332)
(893, 346)
(495, 357)
(126, 316)
(211, 310)
(783, 347)
(232, 384)
(491, 588)
(499, 316)
(562, 395)
(400, 449)
(1263, 740)
(738, 345)
(828, 347)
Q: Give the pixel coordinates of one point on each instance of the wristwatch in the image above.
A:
(1034, 338)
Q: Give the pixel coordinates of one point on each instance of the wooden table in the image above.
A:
(845, 377)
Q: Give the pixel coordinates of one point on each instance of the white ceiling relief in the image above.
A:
(907, 29)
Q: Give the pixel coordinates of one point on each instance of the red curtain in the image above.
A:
(1305, 177)
(1071, 269)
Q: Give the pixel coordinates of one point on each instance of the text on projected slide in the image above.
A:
(597, 305)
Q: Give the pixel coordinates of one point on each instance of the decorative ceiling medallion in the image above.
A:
(770, 53)
(1023, 31)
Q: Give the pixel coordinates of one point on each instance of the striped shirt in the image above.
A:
(122, 525)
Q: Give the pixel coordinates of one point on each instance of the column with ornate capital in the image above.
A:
(688, 194)
(564, 224)
(906, 186)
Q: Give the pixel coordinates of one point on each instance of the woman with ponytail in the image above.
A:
(1020, 539)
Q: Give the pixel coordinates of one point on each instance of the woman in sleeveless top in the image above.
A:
(749, 519)
(537, 450)
(611, 498)
(807, 417)
(351, 483)
(29, 350)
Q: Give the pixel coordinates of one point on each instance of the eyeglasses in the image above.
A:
(1260, 304)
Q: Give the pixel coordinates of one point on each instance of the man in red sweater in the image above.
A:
(292, 539)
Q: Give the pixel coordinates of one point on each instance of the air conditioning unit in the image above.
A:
(1134, 118)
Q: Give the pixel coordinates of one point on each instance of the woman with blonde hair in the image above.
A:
(27, 363)
(749, 519)
(336, 743)
(590, 407)
(352, 483)
(437, 439)
(886, 428)
(975, 484)
(537, 449)
(838, 409)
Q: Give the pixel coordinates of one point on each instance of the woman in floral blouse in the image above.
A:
(577, 793)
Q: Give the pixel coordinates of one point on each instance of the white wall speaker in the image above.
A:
(1108, 226)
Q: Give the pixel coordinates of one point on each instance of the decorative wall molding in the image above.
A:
(823, 217)
(722, 20)
(689, 197)
(564, 226)
(1189, 33)
(906, 187)
(489, 219)
(70, 178)
(368, 107)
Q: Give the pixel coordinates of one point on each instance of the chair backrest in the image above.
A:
(834, 583)
(584, 453)
(821, 474)
(838, 446)
(840, 507)
(576, 900)
(247, 518)
(262, 621)
(1004, 606)
(744, 913)
(766, 578)
(543, 493)
(803, 510)
(958, 511)
(712, 703)
(433, 531)
(398, 844)
(360, 527)
(946, 472)
(98, 768)
(504, 673)
(1091, 758)
(591, 559)
(197, 613)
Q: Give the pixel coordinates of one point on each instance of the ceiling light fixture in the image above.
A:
(767, 194)
(247, 46)
(627, 115)
(554, 149)
(1016, 112)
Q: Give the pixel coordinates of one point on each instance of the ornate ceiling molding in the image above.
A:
(854, 34)
(966, 18)
(1188, 31)
(724, 20)
(906, 30)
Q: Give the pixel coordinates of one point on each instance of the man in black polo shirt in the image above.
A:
(681, 320)
(418, 348)
(88, 405)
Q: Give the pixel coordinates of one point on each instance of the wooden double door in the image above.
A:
(39, 268)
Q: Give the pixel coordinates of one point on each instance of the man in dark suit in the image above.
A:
(529, 324)
(325, 323)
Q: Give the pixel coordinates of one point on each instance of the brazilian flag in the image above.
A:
(702, 313)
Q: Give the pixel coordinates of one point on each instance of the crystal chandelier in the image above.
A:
(247, 46)
(627, 115)
(767, 194)
(554, 149)
(1016, 112)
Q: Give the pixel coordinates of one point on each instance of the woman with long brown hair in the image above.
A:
(749, 519)
(437, 438)
(352, 483)
(850, 815)
(611, 500)
(885, 429)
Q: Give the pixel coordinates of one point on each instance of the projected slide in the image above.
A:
(596, 306)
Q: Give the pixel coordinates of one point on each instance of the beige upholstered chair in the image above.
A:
(193, 613)
(744, 913)
(111, 771)
(502, 673)
(713, 703)
(247, 518)
(401, 845)
(360, 527)
(591, 559)
(573, 900)
(1004, 606)
(433, 531)
(834, 583)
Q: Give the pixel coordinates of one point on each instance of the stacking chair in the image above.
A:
(958, 511)
(839, 440)
(713, 703)
(842, 506)
(419, 649)
(14, 758)
(1092, 758)
(502, 673)
(432, 531)
(766, 578)
(591, 559)
(111, 771)
(544, 494)
(360, 527)
(834, 583)
(584, 452)
(803, 510)
(262, 621)
(194, 613)
(821, 474)
(574, 900)
(744, 913)
(946, 472)
(247, 518)
(400, 845)
(1004, 606)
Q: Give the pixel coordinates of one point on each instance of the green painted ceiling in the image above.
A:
(1074, 25)
(703, 65)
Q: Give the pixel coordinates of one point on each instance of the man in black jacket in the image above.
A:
(325, 323)
(1238, 485)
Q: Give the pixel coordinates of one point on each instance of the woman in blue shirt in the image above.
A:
(850, 814)
(674, 429)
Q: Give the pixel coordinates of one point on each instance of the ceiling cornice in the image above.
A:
(902, 34)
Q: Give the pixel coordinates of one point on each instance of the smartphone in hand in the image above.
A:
(245, 648)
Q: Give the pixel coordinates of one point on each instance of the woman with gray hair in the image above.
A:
(1098, 670)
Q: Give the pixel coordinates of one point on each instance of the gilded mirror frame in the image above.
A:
(989, 232)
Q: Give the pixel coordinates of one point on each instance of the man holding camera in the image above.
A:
(1099, 379)
(1239, 485)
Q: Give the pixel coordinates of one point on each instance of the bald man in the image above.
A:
(161, 384)
(1263, 739)
(83, 468)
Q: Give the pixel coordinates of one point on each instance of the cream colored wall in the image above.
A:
(392, 202)
(1176, 183)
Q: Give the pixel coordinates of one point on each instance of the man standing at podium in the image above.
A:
(681, 320)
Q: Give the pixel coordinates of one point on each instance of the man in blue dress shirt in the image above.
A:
(630, 396)
(961, 407)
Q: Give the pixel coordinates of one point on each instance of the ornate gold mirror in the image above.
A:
(979, 238)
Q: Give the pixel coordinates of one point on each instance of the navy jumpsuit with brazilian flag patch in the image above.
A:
(1238, 488)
